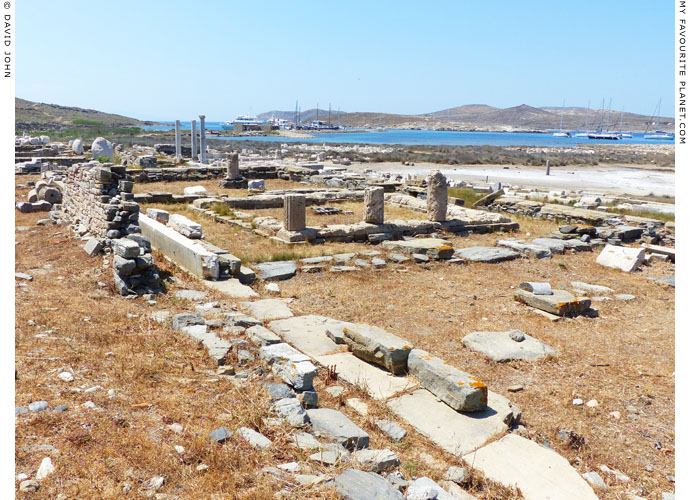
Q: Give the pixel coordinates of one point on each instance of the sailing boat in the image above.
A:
(659, 134)
(600, 134)
(623, 134)
(560, 132)
(586, 132)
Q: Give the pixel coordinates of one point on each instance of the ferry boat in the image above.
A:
(319, 125)
(243, 120)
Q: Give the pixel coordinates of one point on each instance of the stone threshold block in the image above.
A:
(455, 432)
(377, 346)
(457, 389)
(539, 472)
(184, 252)
(507, 346)
(561, 303)
(434, 248)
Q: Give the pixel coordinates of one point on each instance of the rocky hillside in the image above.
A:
(40, 116)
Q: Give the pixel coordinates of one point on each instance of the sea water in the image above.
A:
(426, 137)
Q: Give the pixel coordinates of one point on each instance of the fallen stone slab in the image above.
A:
(93, 247)
(556, 246)
(457, 389)
(359, 485)
(299, 375)
(268, 309)
(378, 383)
(232, 288)
(455, 432)
(506, 346)
(316, 260)
(657, 249)
(187, 319)
(561, 303)
(305, 441)
(185, 226)
(278, 390)
(23, 276)
(333, 425)
(262, 336)
(425, 488)
(591, 288)
(375, 460)
(624, 258)
(577, 245)
(539, 472)
(158, 215)
(398, 258)
(391, 429)
(292, 411)
(282, 270)
(330, 454)
(281, 352)
(536, 288)
(377, 346)
(434, 248)
(486, 254)
(536, 251)
(670, 281)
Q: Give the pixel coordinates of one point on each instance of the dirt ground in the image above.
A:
(66, 320)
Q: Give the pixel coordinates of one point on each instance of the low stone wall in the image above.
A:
(144, 175)
(97, 200)
(275, 199)
(467, 216)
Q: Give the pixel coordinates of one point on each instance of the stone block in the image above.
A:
(334, 425)
(281, 353)
(262, 336)
(437, 196)
(624, 258)
(185, 227)
(125, 248)
(374, 206)
(268, 309)
(281, 270)
(457, 389)
(158, 215)
(297, 375)
(377, 346)
(360, 485)
(93, 247)
(506, 346)
(294, 212)
(560, 303)
(486, 254)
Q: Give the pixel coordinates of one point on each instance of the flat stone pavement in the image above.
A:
(540, 473)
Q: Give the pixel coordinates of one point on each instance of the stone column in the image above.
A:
(178, 143)
(436, 196)
(202, 126)
(194, 157)
(295, 212)
(234, 166)
(373, 205)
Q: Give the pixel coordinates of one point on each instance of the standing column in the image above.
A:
(295, 212)
(436, 196)
(202, 125)
(234, 166)
(194, 157)
(373, 205)
(178, 144)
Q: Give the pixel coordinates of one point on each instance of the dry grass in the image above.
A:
(624, 359)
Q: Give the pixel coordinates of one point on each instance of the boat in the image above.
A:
(658, 134)
(560, 132)
(599, 133)
(244, 120)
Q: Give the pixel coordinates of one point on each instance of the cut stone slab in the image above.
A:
(359, 485)
(398, 258)
(305, 441)
(536, 288)
(299, 375)
(391, 429)
(425, 488)
(434, 248)
(316, 260)
(670, 281)
(93, 247)
(539, 472)
(457, 389)
(590, 288)
(455, 432)
(283, 270)
(330, 454)
(262, 336)
(501, 346)
(536, 251)
(486, 254)
(624, 258)
(281, 352)
(309, 333)
(291, 410)
(375, 460)
(333, 425)
(278, 391)
(561, 303)
(185, 226)
(377, 346)
(378, 383)
(232, 288)
(268, 309)
(556, 246)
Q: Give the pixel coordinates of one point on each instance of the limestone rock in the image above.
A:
(102, 147)
(359, 485)
(281, 270)
(561, 303)
(457, 389)
(78, 146)
(437, 196)
(333, 425)
(291, 410)
(377, 346)
(256, 439)
(486, 254)
(501, 346)
(375, 460)
(624, 258)
(374, 206)
(185, 227)
(299, 375)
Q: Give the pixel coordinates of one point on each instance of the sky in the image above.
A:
(166, 60)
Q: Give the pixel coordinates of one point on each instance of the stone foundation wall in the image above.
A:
(98, 200)
(145, 175)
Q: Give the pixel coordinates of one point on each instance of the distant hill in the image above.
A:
(484, 117)
(37, 115)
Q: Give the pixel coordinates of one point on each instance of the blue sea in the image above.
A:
(429, 138)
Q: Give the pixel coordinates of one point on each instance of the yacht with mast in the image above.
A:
(658, 134)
